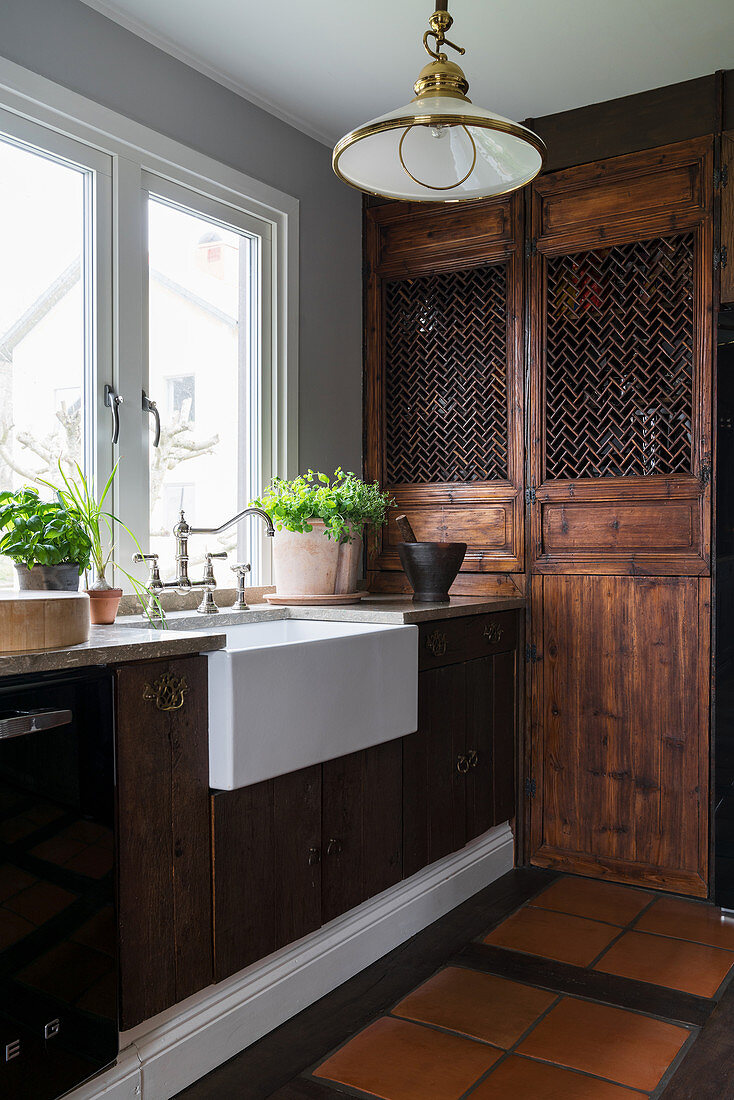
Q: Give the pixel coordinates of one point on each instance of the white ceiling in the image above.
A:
(329, 65)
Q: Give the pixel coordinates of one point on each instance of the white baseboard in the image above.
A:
(169, 1052)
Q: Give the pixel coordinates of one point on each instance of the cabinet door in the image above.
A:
(444, 396)
(490, 742)
(362, 822)
(727, 220)
(622, 365)
(267, 867)
(164, 889)
(434, 787)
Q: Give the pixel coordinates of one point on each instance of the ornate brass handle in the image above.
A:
(314, 856)
(472, 758)
(462, 764)
(167, 692)
(334, 847)
(493, 633)
(436, 643)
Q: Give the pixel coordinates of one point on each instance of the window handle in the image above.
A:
(152, 408)
(113, 400)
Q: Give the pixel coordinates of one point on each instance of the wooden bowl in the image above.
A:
(431, 568)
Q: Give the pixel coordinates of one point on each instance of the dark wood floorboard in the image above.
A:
(563, 978)
(707, 1071)
(273, 1062)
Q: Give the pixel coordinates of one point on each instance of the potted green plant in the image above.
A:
(78, 497)
(319, 523)
(45, 540)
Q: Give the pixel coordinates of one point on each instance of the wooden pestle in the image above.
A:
(403, 525)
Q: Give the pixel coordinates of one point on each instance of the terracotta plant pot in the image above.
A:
(307, 563)
(103, 605)
(48, 578)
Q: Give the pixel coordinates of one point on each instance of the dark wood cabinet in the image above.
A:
(294, 852)
(267, 867)
(361, 827)
(459, 767)
(164, 865)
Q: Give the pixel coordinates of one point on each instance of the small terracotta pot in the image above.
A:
(103, 604)
(308, 563)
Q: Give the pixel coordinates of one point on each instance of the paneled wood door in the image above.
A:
(620, 515)
(444, 375)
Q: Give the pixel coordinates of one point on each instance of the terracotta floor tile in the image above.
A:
(94, 861)
(57, 850)
(621, 1046)
(604, 901)
(40, 902)
(676, 964)
(476, 1004)
(12, 928)
(558, 936)
(689, 920)
(397, 1060)
(12, 880)
(521, 1079)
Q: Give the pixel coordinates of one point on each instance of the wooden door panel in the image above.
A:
(727, 219)
(434, 791)
(297, 818)
(444, 400)
(504, 736)
(622, 769)
(164, 866)
(480, 688)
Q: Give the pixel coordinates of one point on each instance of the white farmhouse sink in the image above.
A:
(287, 694)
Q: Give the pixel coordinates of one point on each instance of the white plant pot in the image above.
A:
(308, 563)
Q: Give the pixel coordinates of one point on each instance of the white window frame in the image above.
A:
(136, 153)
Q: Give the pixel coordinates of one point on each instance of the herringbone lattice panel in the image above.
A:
(446, 376)
(619, 360)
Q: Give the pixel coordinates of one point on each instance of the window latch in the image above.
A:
(152, 408)
(113, 400)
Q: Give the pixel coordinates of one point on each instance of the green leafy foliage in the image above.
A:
(39, 532)
(344, 503)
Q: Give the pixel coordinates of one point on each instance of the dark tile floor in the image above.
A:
(572, 989)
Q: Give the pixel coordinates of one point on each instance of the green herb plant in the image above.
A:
(40, 532)
(344, 503)
(78, 497)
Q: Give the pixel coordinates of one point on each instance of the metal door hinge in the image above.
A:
(705, 472)
(530, 497)
(531, 654)
(531, 788)
(721, 176)
(721, 256)
(531, 247)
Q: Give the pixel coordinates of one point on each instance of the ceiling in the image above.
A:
(328, 65)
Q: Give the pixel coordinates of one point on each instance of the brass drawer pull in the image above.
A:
(167, 692)
(462, 764)
(314, 856)
(472, 758)
(437, 643)
(334, 847)
(493, 633)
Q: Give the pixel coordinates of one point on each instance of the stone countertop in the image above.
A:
(110, 645)
(130, 639)
(374, 609)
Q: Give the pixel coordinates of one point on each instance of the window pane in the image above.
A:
(44, 286)
(201, 279)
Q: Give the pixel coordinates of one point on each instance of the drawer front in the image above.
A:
(447, 641)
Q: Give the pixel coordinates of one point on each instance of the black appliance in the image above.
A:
(58, 928)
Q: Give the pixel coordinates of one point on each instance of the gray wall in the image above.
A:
(74, 45)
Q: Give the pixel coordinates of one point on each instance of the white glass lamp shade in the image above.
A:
(439, 149)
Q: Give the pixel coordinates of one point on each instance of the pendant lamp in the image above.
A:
(439, 147)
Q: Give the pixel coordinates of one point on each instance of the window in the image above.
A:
(186, 255)
(204, 360)
(48, 289)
